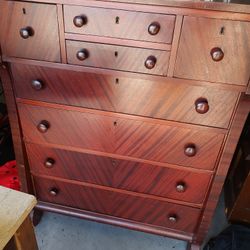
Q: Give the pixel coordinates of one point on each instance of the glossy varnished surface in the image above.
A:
(121, 205)
(159, 99)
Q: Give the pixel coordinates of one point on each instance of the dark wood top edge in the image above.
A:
(107, 219)
(120, 191)
(122, 157)
(229, 87)
(167, 7)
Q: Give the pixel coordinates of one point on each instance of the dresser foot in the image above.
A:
(193, 246)
(37, 216)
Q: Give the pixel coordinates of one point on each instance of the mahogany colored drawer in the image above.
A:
(118, 57)
(26, 35)
(188, 146)
(217, 51)
(128, 175)
(164, 100)
(118, 204)
(119, 23)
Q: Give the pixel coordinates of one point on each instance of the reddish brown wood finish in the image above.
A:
(43, 44)
(117, 57)
(128, 175)
(194, 60)
(117, 204)
(119, 24)
(121, 136)
(164, 100)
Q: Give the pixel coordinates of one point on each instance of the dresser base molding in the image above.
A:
(83, 214)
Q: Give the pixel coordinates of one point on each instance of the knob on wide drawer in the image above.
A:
(172, 218)
(53, 191)
(79, 21)
(154, 28)
(27, 32)
(82, 54)
(49, 163)
(37, 84)
(217, 54)
(181, 187)
(150, 62)
(201, 106)
(43, 126)
(190, 150)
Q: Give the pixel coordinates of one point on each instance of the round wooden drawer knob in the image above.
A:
(181, 187)
(190, 150)
(53, 191)
(79, 21)
(217, 54)
(43, 126)
(172, 218)
(150, 62)
(154, 28)
(27, 32)
(49, 163)
(201, 106)
(82, 54)
(37, 84)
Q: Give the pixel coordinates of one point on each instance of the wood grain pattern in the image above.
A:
(127, 175)
(194, 60)
(103, 22)
(116, 204)
(127, 59)
(121, 136)
(43, 44)
(158, 99)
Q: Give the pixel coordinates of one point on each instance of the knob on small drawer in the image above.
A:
(82, 54)
(43, 126)
(201, 106)
(37, 84)
(172, 218)
(181, 187)
(27, 32)
(53, 191)
(217, 54)
(154, 28)
(49, 163)
(79, 21)
(190, 150)
(150, 62)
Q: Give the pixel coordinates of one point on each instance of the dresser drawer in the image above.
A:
(164, 100)
(128, 175)
(197, 148)
(117, 57)
(117, 204)
(214, 50)
(119, 23)
(26, 35)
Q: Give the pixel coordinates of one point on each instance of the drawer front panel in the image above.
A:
(127, 137)
(118, 57)
(120, 24)
(228, 42)
(25, 33)
(120, 205)
(164, 100)
(132, 176)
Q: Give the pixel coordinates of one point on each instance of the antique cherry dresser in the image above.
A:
(127, 112)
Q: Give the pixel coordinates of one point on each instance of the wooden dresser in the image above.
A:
(127, 112)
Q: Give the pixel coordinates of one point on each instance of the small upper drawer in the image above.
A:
(119, 23)
(118, 57)
(26, 35)
(214, 50)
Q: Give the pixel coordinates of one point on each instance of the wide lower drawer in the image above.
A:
(119, 23)
(118, 57)
(128, 175)
(117, 204)
(165, 100)
(188, 146)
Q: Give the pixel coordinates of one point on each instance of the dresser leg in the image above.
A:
(37, 216)
(193, 246)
